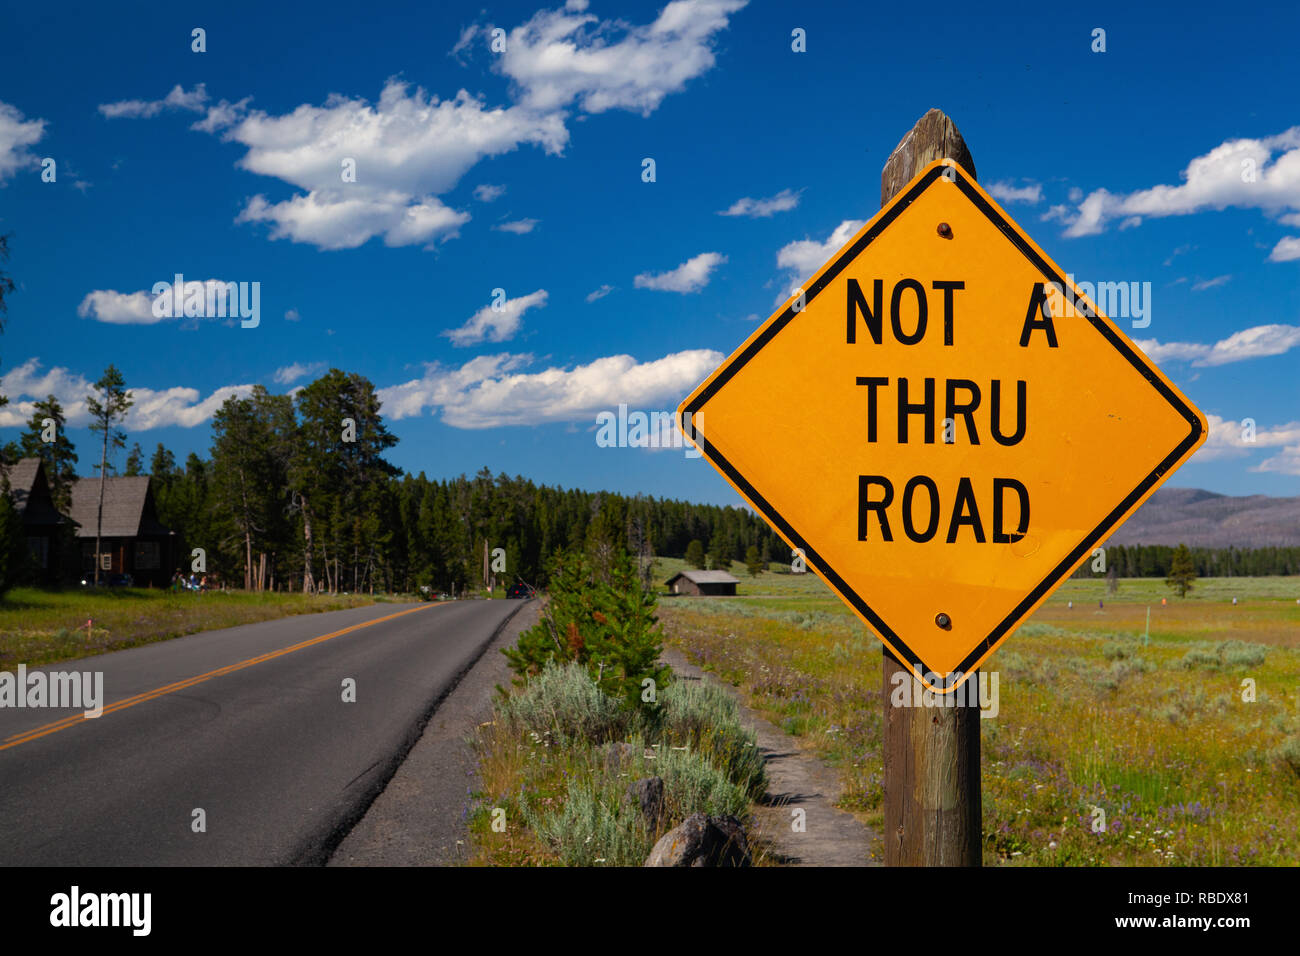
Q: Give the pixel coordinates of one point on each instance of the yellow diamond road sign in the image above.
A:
(943, 425)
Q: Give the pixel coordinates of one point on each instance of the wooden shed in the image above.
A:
(704, 583)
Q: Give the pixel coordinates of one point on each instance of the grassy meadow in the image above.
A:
(45, 626)
(1155, 731)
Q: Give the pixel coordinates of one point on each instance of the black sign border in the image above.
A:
(956, 176)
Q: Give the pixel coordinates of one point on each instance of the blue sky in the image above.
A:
(521, 170)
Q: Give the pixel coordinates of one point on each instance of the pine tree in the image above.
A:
(162, 466)
(134, 461)
(338, 475)
(695, 554)
(250, 461)
(601, 618)
(1182, 571)
(59, 455)
(754, 561)
(720, 552)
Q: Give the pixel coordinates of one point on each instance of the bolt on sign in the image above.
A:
(943, 423)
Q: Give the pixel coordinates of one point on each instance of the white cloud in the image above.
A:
(178, 99)
(519, 227)
(177, 406)
(440, 385)
(408, 142)
(762, 208)
(336, 219)
(16, 135)
(1160, 352)
(1286, 250)
(499, 324)
(564, 56)
(800, 259)
(466, 38)
(28, 381)
(600, 293)
(136, 308)
(691, 276)
(222, 116)
(118, 308)
(217, 116)
(489, 391)
(1229, 438)
(1244, 173)
(180, 406)
(1005, 191)
(486, 192)
(486, 392)
(1256, 342)
(291, 373)
(1286, 462)
(407, 148)
(292, 316)
(1060, 212)
(1210, 283)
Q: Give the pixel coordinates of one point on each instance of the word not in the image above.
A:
(103, 909)
(872, 313)
(79, 689)
(982, 692)
(641, 430)
(212, 299)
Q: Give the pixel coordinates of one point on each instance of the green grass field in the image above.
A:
(1154, 731)
(43, 627)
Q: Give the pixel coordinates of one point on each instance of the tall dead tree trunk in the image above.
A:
(308, 579)
(99, 516)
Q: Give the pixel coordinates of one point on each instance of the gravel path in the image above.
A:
(796, 781)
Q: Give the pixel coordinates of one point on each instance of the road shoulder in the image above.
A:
(420, 819)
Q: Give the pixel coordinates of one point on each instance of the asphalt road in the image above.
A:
(247, 724)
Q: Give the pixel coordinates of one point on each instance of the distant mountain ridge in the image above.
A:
(1204, 519)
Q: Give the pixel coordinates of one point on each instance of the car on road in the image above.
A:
(521, 591)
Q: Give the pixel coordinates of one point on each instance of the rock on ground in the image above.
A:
(702, 840)
(647, 796)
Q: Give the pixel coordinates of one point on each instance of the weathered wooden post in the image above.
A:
(932, 754)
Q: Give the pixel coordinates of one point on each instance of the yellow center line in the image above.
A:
(13, 740)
